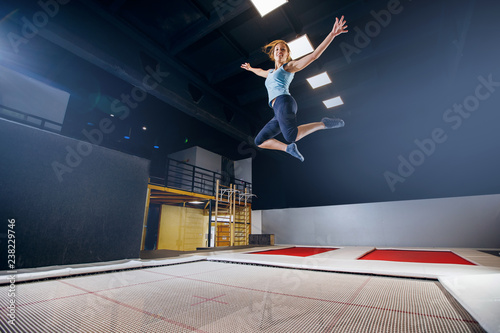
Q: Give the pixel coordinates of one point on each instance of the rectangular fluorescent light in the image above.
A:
(300, 47)
(196, 202)
(266, 6)
(333, 102)
(319, 80)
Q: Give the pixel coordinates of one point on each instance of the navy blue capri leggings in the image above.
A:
(284, 121)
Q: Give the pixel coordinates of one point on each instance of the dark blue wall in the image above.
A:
(72, 202)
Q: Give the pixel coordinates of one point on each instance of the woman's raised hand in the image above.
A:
(340, 26)
(246, 66)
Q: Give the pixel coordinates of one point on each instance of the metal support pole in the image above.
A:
(231, 214)
(210, 223)
(192, 179)
(145, 221)
(216, 211)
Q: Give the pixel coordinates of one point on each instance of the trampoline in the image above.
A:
(246, 290)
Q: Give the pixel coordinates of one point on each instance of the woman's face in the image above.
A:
(280, 52)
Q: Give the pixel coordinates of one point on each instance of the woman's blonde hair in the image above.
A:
(271, 47)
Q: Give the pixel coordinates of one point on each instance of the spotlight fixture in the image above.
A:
(266, 6)
(300, 47)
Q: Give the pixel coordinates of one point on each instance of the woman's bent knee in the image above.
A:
(291, 136)
(258, 141)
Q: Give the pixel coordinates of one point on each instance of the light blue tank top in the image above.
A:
(277, 83)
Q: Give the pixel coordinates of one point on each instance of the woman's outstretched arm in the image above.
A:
(256, 71)
(297, 65)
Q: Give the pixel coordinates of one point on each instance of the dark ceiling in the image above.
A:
(402, 65)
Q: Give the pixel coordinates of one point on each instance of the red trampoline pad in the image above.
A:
(430, 257)
(297, 251)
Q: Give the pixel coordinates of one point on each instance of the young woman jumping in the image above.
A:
(278, 82)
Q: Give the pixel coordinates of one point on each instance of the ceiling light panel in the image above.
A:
(300, 47)
(333, 102)
(266, 6)
(319, 80)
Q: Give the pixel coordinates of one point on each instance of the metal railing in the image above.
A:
(187, 177)
(29, 119)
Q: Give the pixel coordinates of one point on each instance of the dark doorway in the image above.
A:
(152, 225)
